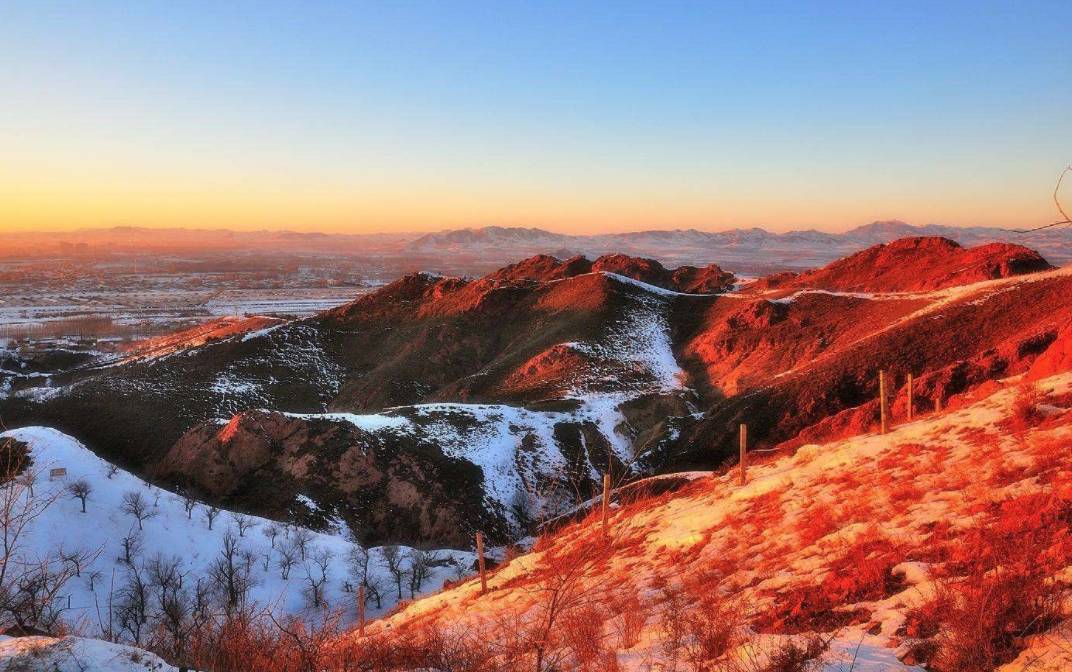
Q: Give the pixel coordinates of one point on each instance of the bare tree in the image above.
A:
(231, 573)
(166, 575)
(420, 566)
(302, 538)
(188, 504)
(316, 577)
(29, 582)
(288, 557)
(34, 601)
(210, 514)
(395, 562)
(228, 573)
(75, 559)
(358, 560)
(80, 490)
(243, 523)
(375, 587)
(172, 605)
(134, 504)
(272, 532)
(132, 609)
(132, 544)
(175, 623)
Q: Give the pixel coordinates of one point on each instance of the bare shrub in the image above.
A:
(630, 617)
(797, 655)
(582, 632)
(1001, 589)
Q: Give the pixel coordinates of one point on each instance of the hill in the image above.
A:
(169, 527)
(504, 399)
(943, 542)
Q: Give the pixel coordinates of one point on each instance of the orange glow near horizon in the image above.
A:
(383, 209)
(393, 117)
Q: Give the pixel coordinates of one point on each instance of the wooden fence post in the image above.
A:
(361, 610)
(480, 562)
(606, 500)
(744, 452)
(883, 420)
(910, 397)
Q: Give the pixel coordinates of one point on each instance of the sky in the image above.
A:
(569, 116)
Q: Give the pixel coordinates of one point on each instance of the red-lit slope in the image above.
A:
(915, 264)
(687, 279)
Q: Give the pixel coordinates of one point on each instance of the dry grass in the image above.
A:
(998, 589)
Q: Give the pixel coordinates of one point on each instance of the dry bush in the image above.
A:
(562, 588)
(863, 573)
(698, 626)
(797, 656)
(815, 523)
(1025, 408)
(582, 633)
(1000, 588)
(1050, 454)
(630, 617)
(794, 654)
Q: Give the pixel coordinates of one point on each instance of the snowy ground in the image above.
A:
(171, 532)
(794, 519)
(75, 654)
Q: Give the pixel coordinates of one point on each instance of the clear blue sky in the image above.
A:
(570, 116)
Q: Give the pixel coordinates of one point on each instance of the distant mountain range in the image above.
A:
(752, 251)
(748, 251)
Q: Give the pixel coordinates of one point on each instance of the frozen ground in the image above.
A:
(170, 531)
(794, 521)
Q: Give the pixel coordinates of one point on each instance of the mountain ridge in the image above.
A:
(753, 251)
(532, 382)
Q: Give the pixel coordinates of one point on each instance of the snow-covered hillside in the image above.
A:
(848, 545)
(170, 531)
(75, 654)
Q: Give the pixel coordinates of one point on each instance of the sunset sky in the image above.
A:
(570, 116)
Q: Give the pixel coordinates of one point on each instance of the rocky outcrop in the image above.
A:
(385, 486)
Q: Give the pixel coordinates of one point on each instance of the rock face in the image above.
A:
(384, 485)
(437, 406)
